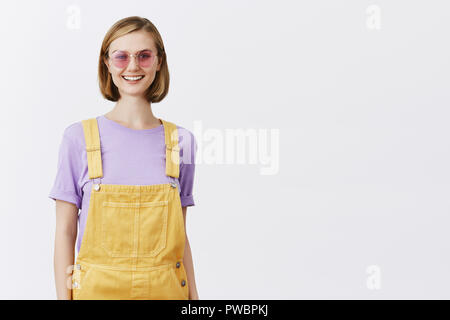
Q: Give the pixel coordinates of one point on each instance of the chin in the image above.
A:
(132, 92)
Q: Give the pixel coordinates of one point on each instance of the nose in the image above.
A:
(133, 65)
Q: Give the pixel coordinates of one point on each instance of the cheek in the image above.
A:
(150, 76)
(117, 77)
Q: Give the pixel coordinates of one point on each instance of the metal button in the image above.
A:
(183, 283)
(78, 267)
(178, 264)
(173, 184)
(96, 187)
(75, 284)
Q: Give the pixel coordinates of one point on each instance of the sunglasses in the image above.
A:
(121, 58)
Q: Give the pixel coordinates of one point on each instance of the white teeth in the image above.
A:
(133, 78)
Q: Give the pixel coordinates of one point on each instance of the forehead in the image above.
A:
(133, 42)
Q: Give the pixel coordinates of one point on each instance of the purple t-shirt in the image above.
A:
(129, 157)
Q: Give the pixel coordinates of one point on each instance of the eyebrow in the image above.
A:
(135, 52)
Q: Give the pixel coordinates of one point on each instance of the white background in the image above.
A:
(362, 115)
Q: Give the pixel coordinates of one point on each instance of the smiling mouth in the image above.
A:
(133, 78)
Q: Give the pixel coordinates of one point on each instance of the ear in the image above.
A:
(159, 63)
(105, 60)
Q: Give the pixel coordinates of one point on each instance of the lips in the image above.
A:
(133, 78)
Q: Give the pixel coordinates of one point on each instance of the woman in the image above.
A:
(132, 175)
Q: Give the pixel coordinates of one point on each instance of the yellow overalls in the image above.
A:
(134, 238)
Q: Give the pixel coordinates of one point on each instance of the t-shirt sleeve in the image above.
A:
(188, 150)
(65, 186)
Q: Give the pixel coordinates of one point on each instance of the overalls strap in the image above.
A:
(172, 149)
(94, 156)
(93, 150)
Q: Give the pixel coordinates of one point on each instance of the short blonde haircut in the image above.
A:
(160, 85)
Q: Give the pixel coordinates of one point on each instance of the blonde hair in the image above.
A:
(160, 85)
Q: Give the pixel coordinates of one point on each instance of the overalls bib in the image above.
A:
(133, 243)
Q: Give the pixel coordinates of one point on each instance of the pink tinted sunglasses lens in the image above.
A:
(145, 58)
(122, 58)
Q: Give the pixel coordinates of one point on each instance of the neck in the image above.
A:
(134, 112)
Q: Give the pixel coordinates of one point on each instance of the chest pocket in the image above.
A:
(134, 228)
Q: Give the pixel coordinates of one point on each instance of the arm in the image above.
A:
(65, 237)
(188, 264)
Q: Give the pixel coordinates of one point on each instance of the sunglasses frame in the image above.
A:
(130, 55)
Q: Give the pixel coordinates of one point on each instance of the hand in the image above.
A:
(193, 296)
